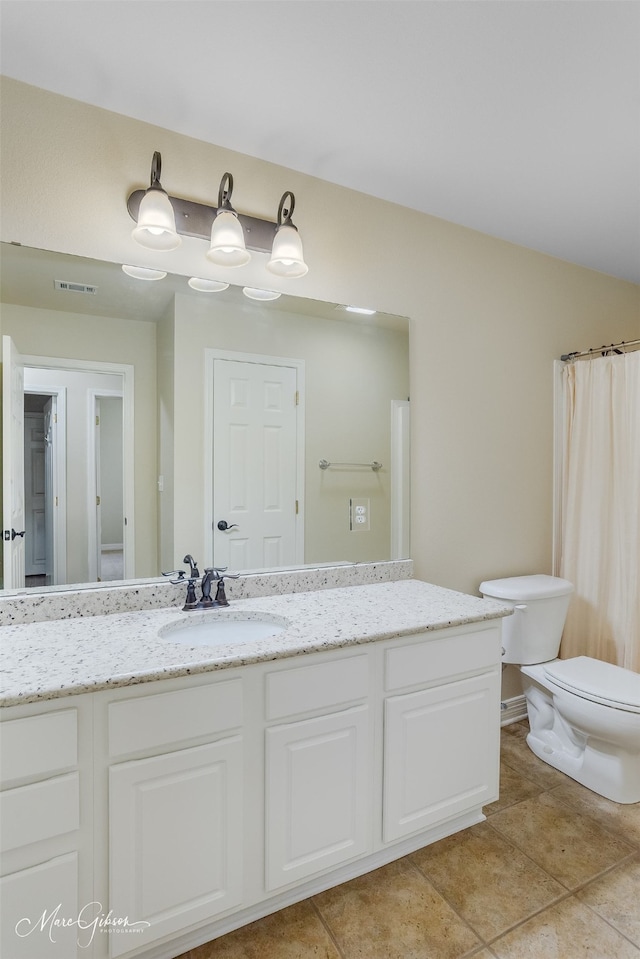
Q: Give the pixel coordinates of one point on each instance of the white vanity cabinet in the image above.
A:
(318, 767)
(179, 809)
(46, 829)
(441, 722)
(175, 784)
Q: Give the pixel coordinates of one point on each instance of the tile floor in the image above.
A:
(553, 873)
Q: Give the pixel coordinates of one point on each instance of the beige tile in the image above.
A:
(571, 847)
(394, 913)
(513, 788)
(515, 753)
(492, 885)
(616, 897)
(567, 930)
(519, 729)
(624, 820)
(292, 933)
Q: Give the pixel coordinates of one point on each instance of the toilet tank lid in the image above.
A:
(521, 588)
(597, 680)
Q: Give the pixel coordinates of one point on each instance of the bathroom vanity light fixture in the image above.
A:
(162, 219)
(227, 236)
(287, 258)
(156, 224)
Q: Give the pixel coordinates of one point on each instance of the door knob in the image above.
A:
(223, 525)
(14, 533)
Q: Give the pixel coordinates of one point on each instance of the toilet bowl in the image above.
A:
(584, 714)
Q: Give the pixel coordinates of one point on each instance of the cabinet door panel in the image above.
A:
(35, 905)
(441, 754)
(175, 839)
(318, 794)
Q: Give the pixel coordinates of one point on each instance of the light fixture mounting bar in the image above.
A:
(196, 219)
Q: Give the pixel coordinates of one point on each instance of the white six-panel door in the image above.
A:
(255, 465)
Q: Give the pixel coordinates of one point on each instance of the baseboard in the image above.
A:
(512, 710)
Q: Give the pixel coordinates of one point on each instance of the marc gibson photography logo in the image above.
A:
(89, 920)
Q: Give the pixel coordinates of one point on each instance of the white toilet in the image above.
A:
(584, 714)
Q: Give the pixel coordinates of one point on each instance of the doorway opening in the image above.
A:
(39, 497)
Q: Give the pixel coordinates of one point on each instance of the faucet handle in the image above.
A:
(176, 572)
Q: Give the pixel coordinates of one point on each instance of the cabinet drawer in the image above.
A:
(39, 745)
(156, 721)
(39, 811)
(439, 657)
(323, 685)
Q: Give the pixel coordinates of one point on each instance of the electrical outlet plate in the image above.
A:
(359, 514)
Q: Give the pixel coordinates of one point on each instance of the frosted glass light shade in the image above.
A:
(227, 241)
(287, 258)
(156, 227)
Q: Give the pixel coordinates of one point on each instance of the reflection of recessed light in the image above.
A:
(260, 294)
(359, 309)
(207, 286)
(142, 273)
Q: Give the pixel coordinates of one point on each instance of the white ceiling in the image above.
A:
(519, 119)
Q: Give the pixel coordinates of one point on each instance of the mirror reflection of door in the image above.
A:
(50, 453)
(47, 499)
(256, 465)
(37, 489)
(44, 537)
(108, 490)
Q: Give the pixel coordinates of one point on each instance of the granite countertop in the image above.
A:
(63, 657)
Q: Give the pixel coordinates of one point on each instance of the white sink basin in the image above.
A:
(211, 629)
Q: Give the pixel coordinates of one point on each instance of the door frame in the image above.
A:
(210, 355)
(400, 479)
(126, 370)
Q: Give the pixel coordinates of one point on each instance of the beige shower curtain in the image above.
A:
(600, 548)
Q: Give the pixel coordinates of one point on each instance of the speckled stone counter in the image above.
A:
(71, 602)
(64, 657)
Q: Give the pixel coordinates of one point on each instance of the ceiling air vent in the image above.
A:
(66, 287)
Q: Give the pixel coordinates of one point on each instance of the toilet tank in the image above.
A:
(533, 633)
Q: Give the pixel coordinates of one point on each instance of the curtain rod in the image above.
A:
(600, 349)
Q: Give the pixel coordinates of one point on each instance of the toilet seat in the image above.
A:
(597, 681)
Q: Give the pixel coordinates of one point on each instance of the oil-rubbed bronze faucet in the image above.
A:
(211, 574)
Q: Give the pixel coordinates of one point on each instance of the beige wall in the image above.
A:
(487, 317)
(52, 333)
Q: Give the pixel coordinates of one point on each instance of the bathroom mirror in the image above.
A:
(140, 359)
